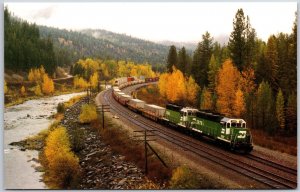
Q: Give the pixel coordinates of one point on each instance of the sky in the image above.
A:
(173, 21)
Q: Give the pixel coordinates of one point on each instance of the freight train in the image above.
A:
(229, 131)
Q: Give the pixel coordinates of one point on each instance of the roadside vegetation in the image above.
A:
(159, 177)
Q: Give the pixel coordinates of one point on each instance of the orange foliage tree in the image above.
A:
(47, 85)
(176, 88)
(239, 104)
(192, 89)
(206, 100)
(228, 79)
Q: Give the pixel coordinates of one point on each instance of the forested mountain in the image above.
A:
(190, 46)
(24, 48)
(73, 45)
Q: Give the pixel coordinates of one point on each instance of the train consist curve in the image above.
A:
(258, 168)
(231, 132)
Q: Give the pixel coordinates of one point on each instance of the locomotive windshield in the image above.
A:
(235, 123)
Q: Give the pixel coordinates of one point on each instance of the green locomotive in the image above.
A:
(231, 131)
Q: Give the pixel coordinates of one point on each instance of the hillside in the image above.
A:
(73, 45)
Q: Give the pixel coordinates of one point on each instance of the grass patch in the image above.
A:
(279, 143)
(73, 100)
(133, 151)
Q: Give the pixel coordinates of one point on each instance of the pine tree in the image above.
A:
(280, 109)
(291, 113)
(182, 60)
(271, 67)
(242, 41)
(172, 59)
(266, 118)
(201, 60)
(237, 41)
(212, 73)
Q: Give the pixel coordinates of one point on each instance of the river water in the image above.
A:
(20, 122)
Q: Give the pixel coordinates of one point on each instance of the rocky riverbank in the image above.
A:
(101, 167)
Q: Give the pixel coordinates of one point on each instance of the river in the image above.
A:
(20, 122)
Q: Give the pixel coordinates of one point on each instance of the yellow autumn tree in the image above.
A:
(37, 90)
(239, 104)
(31, 77)
(36, 75)
(206, 100)
(88, 113)
(94, 80)
(5, 88)
(228, 79)
(192, 88)
(79, 82)
(42, 71)
(134, 72)
(162, 84)
(63, 165)
(175, 88)
(47, 85)
(23, 91)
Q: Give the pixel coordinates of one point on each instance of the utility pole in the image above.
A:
(146, 145)
(103, 109)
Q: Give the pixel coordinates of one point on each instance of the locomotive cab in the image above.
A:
(187, 115)
(235, 131)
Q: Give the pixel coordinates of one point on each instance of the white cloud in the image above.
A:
(175, 21)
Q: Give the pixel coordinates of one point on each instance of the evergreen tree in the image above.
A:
(182, 60)
(242, 41)
(201, 60)
(280, 109)
(212, 73)
(237, 41)
(291, 113)
(293, 59)
(266, 118)
(172, 59)
(271, 64)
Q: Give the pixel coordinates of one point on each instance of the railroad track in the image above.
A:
(213, 154)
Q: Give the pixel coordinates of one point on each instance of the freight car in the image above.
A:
(225, 130)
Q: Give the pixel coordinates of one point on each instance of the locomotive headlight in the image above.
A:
(242, 134)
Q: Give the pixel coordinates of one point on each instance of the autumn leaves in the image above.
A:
(44, 84)
(229, 87)
(178, 89)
